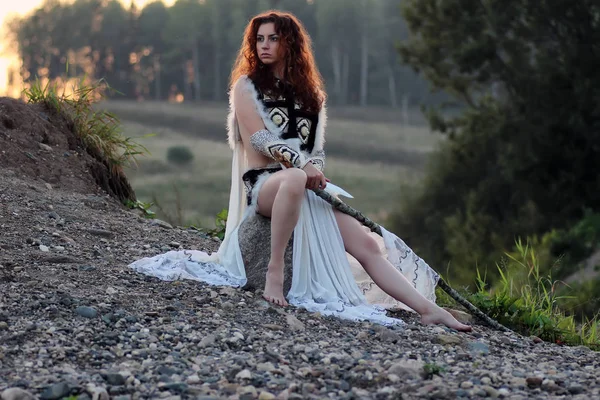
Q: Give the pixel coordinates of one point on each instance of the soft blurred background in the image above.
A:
(171, 61)
(470, 128)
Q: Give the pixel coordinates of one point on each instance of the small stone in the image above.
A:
(466, 385)
(177, 387)
(86, 312)
(61, 260)
(445, 339)
(175, 244)
(16, 394)
(3, 326)
(407, 369)
(273, 327)
(208, 341)
(490, 391)
(44, 147)
(115, 379)
(575, 388)
(362, 335)
(265, 367)
(244, 374)
(101, 233)
(520, 383)
(389, 336)
(294, 323)
(536, 339)
(59, 248)
(479, 348)
(43, 248)
(534, 381)
(548, 384)
(227, 305)
(165, 370)
(193, 379)
(161, 223)
(56, 391)
(503, 392)
(111, 290)
(248, 392)
(266, 396)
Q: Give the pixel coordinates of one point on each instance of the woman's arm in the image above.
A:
(255, 133)
(318, 160)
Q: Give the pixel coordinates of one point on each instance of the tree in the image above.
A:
(186, 33)
(523, 155)
(152, 23)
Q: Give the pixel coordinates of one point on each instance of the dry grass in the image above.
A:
(378, 139)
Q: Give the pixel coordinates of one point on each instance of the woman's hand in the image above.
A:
(315, 178)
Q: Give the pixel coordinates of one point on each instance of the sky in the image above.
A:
(23, 7)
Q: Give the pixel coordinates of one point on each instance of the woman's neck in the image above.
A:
(278, 71)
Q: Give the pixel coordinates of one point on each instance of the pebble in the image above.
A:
(87, 312)
(56, 391)
(16, 394)
(294, 323)
(244, 374)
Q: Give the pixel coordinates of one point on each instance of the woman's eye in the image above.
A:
(274, 39)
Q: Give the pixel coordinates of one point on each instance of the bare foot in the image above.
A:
(443, 317)
(274, 286)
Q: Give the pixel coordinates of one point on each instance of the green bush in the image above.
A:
(533, 303)
(180, 155)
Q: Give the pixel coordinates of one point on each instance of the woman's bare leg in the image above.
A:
(365, 249)
(280, 198)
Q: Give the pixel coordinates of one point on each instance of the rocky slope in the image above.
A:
(75, 321)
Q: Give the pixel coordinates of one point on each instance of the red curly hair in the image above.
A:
(296, 46)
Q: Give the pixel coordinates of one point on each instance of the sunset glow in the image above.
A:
(21, 8)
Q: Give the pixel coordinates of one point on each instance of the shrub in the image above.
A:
(531, 302)
(180, 155)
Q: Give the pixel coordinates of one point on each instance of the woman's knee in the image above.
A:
(367, 248)
(294, 181)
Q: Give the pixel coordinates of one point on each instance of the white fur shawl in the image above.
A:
(233, 132)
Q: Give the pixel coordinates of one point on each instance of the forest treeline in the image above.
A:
(185, 51)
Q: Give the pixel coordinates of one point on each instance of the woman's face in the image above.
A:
(267, 44)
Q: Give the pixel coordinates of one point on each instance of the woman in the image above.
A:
(276, 130)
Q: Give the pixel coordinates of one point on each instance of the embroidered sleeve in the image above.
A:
(318, 160)
(273, 146)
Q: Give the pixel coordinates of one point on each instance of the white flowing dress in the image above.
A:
(325, 278)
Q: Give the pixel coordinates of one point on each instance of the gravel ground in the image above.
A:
(75, 321)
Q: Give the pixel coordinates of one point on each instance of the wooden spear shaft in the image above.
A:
(346, 209)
